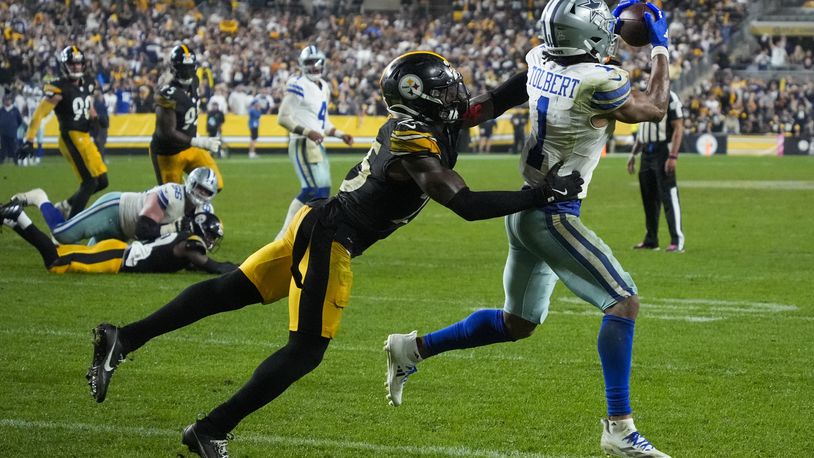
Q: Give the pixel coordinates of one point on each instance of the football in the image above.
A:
(633, 28)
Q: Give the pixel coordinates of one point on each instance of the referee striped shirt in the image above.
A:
(662, 131)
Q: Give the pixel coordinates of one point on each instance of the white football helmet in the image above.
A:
(578, 27)
(201, 186)
(312, 62)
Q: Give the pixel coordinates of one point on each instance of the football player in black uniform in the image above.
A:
(176, 149)
(168, 253)
(410, 162)
(71, 97)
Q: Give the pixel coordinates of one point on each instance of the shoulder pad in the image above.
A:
(165, 97)
(413, 137)
(611, 89)
(169, 193)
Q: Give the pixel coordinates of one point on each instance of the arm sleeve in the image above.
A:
(41, 112)
(147, 229)
(214, 267)
(473, 206)
(510, 94)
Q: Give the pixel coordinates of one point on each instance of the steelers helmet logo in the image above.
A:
(411, 87)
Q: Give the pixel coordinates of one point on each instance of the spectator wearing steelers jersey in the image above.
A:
(71, 98)
(175, 148)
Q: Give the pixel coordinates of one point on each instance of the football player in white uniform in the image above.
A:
(126, 216)
(304, 113)
(575, 99)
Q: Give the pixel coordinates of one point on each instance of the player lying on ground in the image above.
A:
(574, 102)
(127, 216)
(410, 162)
(168, 253)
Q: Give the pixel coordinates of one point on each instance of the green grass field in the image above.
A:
(722, 362)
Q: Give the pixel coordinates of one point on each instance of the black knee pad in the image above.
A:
(101, 182)
(88, 186)
(309, 348)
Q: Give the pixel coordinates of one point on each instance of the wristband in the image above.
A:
(659, 51)
(305, 131)
(672, 157)
(338, 133)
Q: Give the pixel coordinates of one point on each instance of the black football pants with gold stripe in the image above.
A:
(266, 276)
(103, 258)
(80, 151)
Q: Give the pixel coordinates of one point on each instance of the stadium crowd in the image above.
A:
(248, 53)
(730, 104)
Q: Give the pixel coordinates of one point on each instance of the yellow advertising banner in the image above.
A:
(135, 131)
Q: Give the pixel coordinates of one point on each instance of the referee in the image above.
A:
(659, 143)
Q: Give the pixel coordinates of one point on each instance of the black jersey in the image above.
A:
(73, 111)
(375, 205)
(158, 256)
(184, 102)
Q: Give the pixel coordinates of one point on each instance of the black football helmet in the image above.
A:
(69, 58)
(183, 62)
(424, 85)
(208, 227)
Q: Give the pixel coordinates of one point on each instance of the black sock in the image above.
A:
(41, 242)
(228, 292)
(301, 355)
(79, 200)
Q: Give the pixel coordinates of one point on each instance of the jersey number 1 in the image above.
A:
(536, 156)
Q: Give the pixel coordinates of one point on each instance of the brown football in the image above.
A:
(633, 29)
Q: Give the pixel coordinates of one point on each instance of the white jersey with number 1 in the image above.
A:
(562, 102)
(310, 103)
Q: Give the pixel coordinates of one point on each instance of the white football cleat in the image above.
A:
(402, 357)
(34, 197)
(620, 438)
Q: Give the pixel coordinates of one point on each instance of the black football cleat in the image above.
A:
(107, 354)
(203, 445)
(646, 247)
(11, 210)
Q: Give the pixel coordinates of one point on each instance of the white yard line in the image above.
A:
(390, 450)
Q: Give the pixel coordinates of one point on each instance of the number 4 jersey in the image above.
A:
(73, 111)
(184, 102)
(307, 103)
(563, 103)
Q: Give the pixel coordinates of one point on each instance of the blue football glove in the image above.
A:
(622, 5)
(657, 26)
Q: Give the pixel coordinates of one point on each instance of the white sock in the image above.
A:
(23, 220)
(295, 206)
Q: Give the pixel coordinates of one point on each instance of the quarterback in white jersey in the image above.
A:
(147, 215)
(574, 99)
(304, 113)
